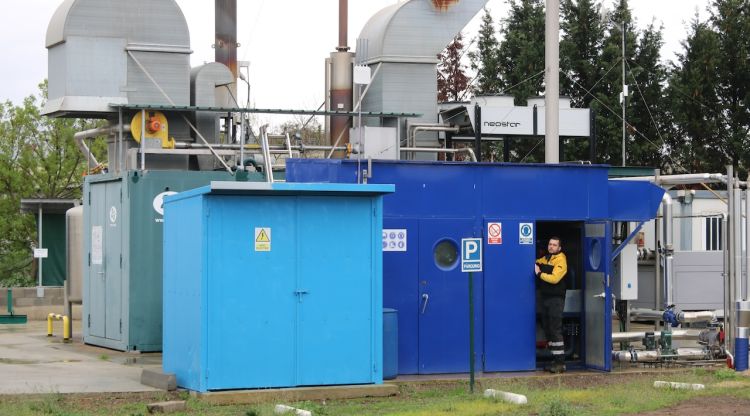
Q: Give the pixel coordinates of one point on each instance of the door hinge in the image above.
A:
(89, 197)
(484, 361)
(89, 259)
(120, 326)
(89, 319)
(121, 260)
(121, 195)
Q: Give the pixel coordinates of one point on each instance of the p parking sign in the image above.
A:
(471, 255)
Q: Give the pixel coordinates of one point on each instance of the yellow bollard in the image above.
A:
(49, 324)
(66, 329)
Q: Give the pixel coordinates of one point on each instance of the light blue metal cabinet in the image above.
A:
(273, 285)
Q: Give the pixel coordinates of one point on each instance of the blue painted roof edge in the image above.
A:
(263, 188)
(633, 200)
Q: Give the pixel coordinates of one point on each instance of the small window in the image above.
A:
(595, 254)
(446, 254)
(714, 237)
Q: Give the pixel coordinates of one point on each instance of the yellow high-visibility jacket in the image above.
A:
(553, 270)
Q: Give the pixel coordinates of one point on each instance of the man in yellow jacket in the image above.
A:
(550, 273)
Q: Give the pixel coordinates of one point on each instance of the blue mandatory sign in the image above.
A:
(526, 233)
(471, 255)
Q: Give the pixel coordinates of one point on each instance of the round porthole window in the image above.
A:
(595, 254)
(446, 254)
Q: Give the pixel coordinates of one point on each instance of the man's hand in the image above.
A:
(536, 269)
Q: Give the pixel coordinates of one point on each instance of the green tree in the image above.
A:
(38, 159)
(484, 58)
(731, 22)
(521, 66)
(649, 117)
(580, 52)
(607, 103)
(521, 51)
(452, 81)
(692, 94)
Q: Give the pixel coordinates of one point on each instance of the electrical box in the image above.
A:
(374, 143)
(273, 285)
(625, 274)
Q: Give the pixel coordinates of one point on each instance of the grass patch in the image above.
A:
(588, 394)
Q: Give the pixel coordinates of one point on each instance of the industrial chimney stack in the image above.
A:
(339, 68)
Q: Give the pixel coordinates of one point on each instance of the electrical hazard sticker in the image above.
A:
(494, 233)
(262, 238)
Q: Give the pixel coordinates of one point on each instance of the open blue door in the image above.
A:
(509, 285)
(597, 295)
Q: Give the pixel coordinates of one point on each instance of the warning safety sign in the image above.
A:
(262, 238)
(494, 233)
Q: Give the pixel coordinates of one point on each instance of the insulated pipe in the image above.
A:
(729, 316)
(650, 356)
(415, 128)
(300, 147)
(637, 336)
(468, 150)
(668, 271)
(672, 180)
(736, 234)
(89, 134)
(682, 317)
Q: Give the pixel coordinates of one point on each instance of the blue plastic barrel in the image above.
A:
(740, 354)
(390, 343)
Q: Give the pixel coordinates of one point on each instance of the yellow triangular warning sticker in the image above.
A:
(262, 237)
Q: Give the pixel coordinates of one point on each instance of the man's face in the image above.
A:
(553, 247)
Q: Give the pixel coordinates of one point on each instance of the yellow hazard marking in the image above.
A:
(262, 237)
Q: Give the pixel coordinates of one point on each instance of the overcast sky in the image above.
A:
(286, 41)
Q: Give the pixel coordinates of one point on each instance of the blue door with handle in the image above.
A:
(443, 292)
(509, 285)
(597, 295)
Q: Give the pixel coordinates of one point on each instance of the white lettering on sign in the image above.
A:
(471, 255)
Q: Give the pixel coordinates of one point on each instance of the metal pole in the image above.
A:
(478, 132)
(746, 280)
(471, 332)
(143, 139)
(39, 225)
(552, 82)
(624, 93)
(119, 138)
(729, 314)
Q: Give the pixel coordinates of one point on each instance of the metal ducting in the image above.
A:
(405, 38)
(89, 42)
(208, 88)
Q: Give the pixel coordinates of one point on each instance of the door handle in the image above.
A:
(425, 299)
(601, 295)
(300, 293)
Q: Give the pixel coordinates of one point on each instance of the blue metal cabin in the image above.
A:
(438, 203)
(273, 285)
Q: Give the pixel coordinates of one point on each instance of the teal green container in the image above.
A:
(123, 226)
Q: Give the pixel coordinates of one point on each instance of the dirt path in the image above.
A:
(706, 406)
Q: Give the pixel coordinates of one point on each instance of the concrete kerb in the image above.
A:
(297, 394)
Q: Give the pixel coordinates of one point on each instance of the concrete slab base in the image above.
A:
(297, 394)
